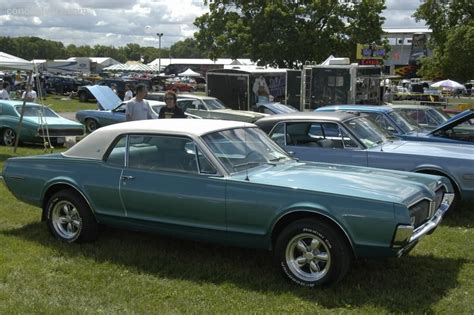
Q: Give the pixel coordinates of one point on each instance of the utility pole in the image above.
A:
(159, 51)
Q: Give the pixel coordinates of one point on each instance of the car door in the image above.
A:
(320, 142)
(114, 116)
(165, 185)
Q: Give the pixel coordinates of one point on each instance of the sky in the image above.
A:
(118, 22)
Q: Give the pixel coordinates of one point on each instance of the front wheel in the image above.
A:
(91, 125)
(69, 217)
(8, 137)
(312, 253)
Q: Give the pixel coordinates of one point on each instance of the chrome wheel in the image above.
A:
(308, 257)
(66, 220)
(9, 137)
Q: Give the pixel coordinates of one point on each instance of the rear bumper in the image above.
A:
(408, 238)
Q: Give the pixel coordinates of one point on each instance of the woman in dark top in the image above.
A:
(171, 110)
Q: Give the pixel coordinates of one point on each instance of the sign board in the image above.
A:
(369, 62)
(370, 52)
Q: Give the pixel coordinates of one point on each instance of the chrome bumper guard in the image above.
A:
(407, 237)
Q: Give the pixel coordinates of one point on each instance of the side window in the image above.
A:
(347, 141)
(278, 135)
(117, 154)
(197, 104)
(185, 105)
(382, 122)
(164, 153)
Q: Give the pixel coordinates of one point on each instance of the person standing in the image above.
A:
(128, 93)
(29, 95)
(138, 108)
(4, 92)
(171, 110)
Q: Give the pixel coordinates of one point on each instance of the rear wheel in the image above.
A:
(91, 125)
(69, 217)
(312, 253)
(82, 97)
(8, 137)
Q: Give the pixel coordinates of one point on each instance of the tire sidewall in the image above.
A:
(323, 232)
(49, 209)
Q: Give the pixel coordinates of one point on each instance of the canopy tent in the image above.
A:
(189, 73)
(8, 61)
(448, 84)
(135, 67)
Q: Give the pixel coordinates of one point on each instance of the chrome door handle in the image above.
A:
(125, 177)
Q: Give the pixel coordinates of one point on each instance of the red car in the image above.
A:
(180, 87)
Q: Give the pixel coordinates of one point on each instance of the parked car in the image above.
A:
(84, 94)
(209, 107)
(400, 125)
(226, 182)
(428, 117)
(39, 123)
(112, 109)
(63, 84)
(273, 108)
(340, 137)
(180, 86)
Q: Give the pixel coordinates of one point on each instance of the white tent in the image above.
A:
(135, 67)
(189, 73)
(8, 61)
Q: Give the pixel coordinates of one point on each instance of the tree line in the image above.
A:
(38, 48)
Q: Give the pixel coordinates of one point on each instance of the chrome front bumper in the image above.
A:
(406, 237)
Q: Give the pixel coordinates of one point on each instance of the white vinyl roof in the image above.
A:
(96, 144)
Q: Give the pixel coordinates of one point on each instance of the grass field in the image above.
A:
(130, 272)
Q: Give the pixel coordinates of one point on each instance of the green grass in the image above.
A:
(64, 104)
(130, 272)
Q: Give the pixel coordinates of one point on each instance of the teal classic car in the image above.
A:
(39, 123)
(227, 182)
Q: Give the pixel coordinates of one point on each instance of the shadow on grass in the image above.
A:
(411, 284)
(4, 157)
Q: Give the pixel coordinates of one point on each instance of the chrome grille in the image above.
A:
(61, 132)
(439, 197)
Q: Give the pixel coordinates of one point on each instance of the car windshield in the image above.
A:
(404, 122)
(35, 111)
(366, 131)
(439, 115)
(244, 148)
(213, 104)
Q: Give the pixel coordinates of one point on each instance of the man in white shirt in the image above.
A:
(4, 92)
(128, 93)
(29, 95)
(137, 108)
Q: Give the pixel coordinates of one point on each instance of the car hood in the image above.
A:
(434, 149)
(453, 121)
(53, 122)
(361, 182)
(104, 95)
(277, 108)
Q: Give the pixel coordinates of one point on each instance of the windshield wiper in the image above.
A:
(248, 164)
(278, 159)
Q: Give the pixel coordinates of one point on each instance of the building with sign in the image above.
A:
(407, 46)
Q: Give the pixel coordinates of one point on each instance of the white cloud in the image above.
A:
(118, 22)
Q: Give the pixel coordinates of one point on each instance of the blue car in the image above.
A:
(459, 129)
(111, 109)
(345, 138)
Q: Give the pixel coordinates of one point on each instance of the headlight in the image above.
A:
(420, 212)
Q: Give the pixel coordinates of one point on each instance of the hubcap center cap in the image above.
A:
(309, 256)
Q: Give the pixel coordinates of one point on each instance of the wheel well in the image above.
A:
(54, 189)
(299, 215)
(440, 173)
